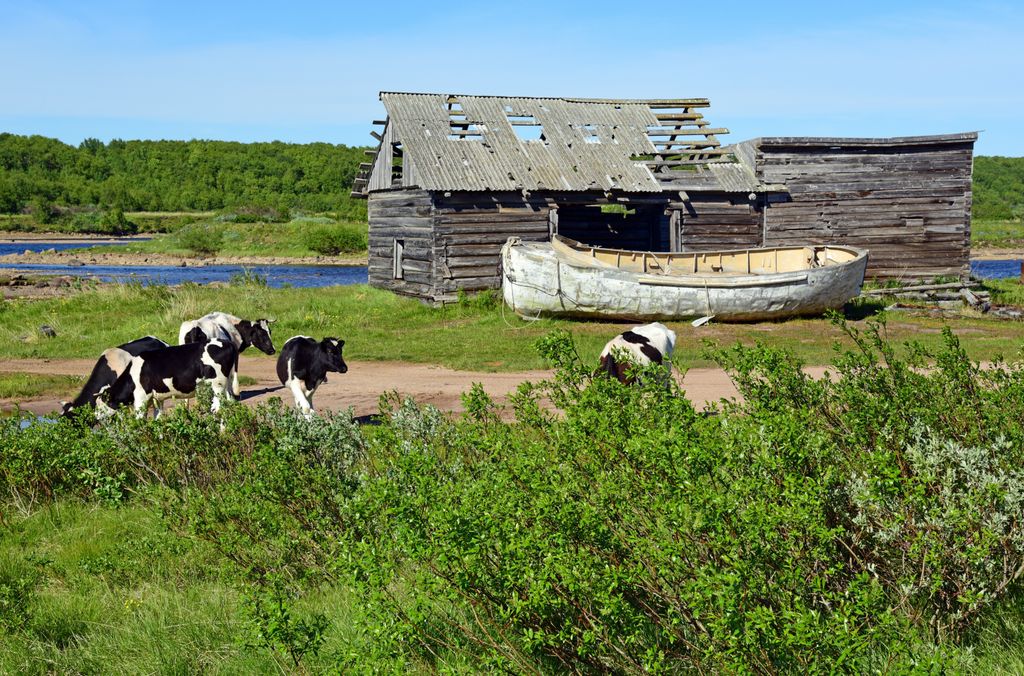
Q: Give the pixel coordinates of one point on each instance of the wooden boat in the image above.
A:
(564, 277)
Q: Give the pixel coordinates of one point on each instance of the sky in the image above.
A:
(311, 71)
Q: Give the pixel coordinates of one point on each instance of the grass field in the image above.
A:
(24, 386)
(244, 239)
(478, 334)
(997, 233)
(111, 589)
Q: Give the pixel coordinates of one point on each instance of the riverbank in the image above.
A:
(99, 257)
(94, 257)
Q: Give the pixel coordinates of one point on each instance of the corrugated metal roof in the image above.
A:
(586, 145)
(470, 143)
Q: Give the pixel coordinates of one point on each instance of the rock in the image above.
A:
(48, 331)
(26, 252)
(75, 262)
(183, 264)
(62, 282)
(51, 250)
(41, 284)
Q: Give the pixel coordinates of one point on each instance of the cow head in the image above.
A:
(331, 350)
(103, 409)
(256, 333)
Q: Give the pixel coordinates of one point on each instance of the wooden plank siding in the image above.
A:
(470, 229)
(909, 204)
(405, 215)
(710, 221)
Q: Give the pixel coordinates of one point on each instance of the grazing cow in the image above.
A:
(222, 326)
(304, 364)
(639, 346)
(171, 372)
(109, 366)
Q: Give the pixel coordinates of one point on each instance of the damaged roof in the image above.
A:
(446, 142)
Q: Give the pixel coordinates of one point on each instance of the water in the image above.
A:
(36, 246)
(305, 276)
(998, 269)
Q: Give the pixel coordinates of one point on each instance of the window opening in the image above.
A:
(399, 253)
(590, 134)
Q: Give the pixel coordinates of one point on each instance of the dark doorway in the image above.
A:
(639, 228)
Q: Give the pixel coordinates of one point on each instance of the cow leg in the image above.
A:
(235, 389)
(158, 408)
(218, 387)
(295, 385)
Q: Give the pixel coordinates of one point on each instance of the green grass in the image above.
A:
(997, 233)
(378, 325)
(112, 590)
(27, 385)
(241, 239)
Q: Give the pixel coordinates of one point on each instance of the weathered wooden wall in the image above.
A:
(906, 200)
(469, 231)
(710, 221)
(453, 240)
(405, 215)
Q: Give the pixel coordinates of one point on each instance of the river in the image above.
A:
(281, 275)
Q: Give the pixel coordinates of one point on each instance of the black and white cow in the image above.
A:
(222, 326)
(304, 364)
(171, 372)
(109, 366)
(642, 345)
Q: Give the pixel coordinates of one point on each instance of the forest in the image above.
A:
(40, 175)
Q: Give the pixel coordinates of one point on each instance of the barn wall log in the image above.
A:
(908, 204)
(717, 221)
(405, 215)
(469, 231)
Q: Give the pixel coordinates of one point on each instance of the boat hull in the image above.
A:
(537, 281)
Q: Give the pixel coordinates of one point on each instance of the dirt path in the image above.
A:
(365, 382)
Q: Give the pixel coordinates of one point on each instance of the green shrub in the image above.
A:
(856, 524)
(331, 240)
(116, 223)
(203, 239)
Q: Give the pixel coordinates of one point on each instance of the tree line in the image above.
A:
(194, 175)
(999, 187)
(197, 175)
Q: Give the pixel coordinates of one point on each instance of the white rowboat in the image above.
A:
(564, 277)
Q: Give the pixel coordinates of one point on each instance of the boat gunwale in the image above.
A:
(580, 258)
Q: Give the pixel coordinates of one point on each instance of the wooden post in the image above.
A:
(1022, 272)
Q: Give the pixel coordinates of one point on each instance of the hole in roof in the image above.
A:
(526, 127)
(590, 133)
(459, 126)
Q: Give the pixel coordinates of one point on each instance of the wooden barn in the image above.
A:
(455, 176)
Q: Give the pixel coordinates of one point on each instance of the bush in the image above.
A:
(846, 524)
(202, 239)
(116, 223)
(331, 240)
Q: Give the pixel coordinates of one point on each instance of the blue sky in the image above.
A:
(311, 71)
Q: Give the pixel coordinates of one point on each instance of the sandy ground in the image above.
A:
(365, 382)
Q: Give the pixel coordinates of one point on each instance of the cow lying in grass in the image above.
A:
(109, 366)
(222, 326)
(304, 364)
(640, 346)
(171, 373)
